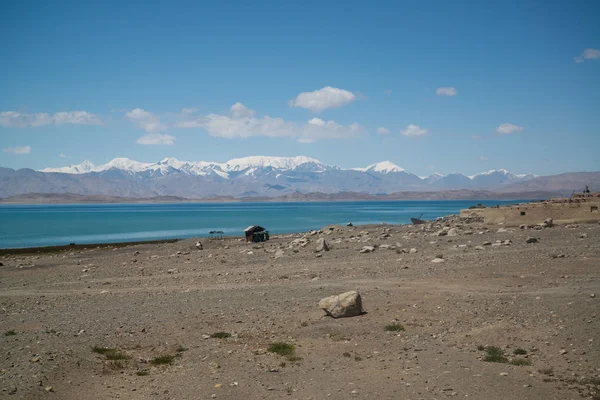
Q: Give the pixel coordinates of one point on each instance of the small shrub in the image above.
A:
(520, 352)
(142, 372)
(282, 364)
(591, 381)
(12, 332)
(117, 355)
(357, 358)
(494, 354)
(220, 335)
(520, 361)
(282, 348)
(103, 350)
(546, 371)
(304, 324)
(346, 354)
(481, 348)
(337, 336)
(166, 359)
(116, 365)
(395, 327)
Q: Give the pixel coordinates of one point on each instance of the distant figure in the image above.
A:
(587, 190)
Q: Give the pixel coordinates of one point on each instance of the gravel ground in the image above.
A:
(140, 302)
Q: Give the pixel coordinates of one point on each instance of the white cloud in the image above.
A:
(414, 131)
(383, 131)
(322, 99)
(63, 155)
(507, 128)
(145, 120)
(18, 150)
(188, 110)
(387, 92)
(588, 54)
(446, 91)
(243, 123)
(483, 158)
(15, 119)
(156, 138)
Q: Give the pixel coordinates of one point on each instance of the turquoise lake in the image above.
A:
(51, 225)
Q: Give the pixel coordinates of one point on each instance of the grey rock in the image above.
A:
(322, 245)
(531, 239)
(367, 249)
(348, 304)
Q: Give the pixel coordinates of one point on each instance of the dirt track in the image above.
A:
(147, 300)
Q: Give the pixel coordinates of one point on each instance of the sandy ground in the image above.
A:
(152, 300)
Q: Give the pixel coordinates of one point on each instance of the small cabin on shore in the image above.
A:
(255, 233)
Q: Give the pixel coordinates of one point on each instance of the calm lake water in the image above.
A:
(50, 225)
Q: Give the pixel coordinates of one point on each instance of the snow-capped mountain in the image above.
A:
(239, 177)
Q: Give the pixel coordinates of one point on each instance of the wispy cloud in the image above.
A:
(414, 131)
(63, 155)
(322, 99)
(507, 128)
(446, 91)
(476, 137)
(156, 138)
(387, 92)
(145, 120)
(15, 119)
(383, 130)
(588, 54)
(483, 158)
(244, 123)
(18, 150)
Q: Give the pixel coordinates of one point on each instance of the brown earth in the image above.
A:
(150, 300)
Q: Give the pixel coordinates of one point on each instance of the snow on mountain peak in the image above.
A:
(82, 168)
(240, 164)
(384, 167)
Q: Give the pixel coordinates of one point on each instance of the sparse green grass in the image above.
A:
(220, 335)
(337, 336)
(117, 355)
(116, 365)
(165, 359)
(591, 381)
(520, 361)
(294, 358)
(519, 352)
(494, 354)
(103, 350)
(12, 332)
(142, 372)
(395, 327)
(282, 348)
(110, 353)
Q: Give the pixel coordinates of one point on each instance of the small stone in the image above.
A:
(437, 260)
(503, 373)
(531, 239)
(593, 295)
(367, 249)
(199, 246)
(322, 245)
(583, 236)
(479, 248)
(487, 243)
(412, 250)
(562, 351)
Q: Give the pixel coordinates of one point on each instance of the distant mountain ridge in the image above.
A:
(259, 176)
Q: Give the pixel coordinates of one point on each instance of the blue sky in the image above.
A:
(458, 86)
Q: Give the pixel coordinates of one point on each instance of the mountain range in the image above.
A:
(261, 176)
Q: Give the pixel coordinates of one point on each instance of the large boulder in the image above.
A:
(322, 245)
(347, 304)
